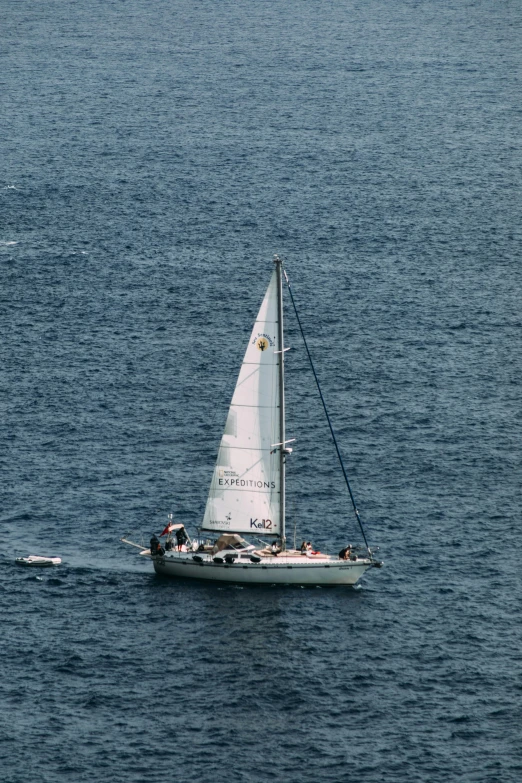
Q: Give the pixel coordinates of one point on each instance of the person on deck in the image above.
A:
(181, 537)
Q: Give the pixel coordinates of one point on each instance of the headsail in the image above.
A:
(245, 492)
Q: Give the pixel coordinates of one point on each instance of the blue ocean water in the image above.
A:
(154, 157)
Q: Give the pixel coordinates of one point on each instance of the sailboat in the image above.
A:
(242, 537)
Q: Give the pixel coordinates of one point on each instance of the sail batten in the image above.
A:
(247, 448)
(245, 491)
(259, 407)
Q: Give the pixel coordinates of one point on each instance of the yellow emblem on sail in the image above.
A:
(262, 343)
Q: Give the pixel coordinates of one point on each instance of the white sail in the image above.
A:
(244, 494)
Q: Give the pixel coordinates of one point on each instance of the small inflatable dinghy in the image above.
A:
(35, 561)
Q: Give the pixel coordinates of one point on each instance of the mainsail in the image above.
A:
(245, 492)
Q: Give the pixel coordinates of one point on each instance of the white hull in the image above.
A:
(34, 561)
(275, 570)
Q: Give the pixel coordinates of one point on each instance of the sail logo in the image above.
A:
(263, 341)
(221, 524)
(231, 482)
(260, 524)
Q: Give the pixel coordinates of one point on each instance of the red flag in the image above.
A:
(168, 529)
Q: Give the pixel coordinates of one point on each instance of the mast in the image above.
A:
(281, 351)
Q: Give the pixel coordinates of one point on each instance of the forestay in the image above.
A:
(244, 494)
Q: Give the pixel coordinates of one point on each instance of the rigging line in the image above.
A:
(326, 412)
